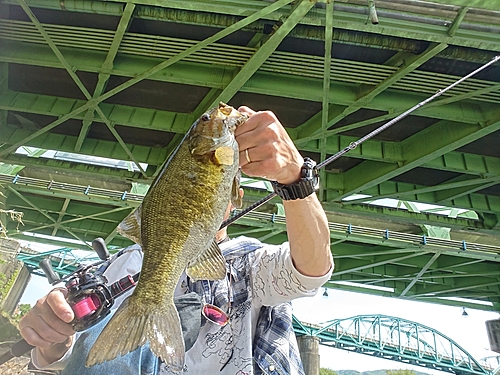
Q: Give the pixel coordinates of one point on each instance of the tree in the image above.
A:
(326, 371)
(400, 372)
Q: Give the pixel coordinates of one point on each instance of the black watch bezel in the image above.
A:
(307, 185)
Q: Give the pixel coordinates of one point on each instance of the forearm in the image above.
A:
(309, 236)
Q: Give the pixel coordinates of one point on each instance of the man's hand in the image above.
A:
(266, 149)
(47, 325)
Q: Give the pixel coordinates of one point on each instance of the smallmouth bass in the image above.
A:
(176, 225)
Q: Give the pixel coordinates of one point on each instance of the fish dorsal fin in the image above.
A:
(130, 227)
(210, 265)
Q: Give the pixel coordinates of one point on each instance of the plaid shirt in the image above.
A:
(275, 349)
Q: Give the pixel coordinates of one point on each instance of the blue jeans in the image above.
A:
(140, 361)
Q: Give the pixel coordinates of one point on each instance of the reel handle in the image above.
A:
(46, 266)
(100, 248)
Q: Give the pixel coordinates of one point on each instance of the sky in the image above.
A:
(467, 331)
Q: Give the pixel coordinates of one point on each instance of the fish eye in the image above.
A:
(205, 117)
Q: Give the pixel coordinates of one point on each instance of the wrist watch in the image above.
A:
(308, 183)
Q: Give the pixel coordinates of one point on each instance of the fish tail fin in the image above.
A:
(165, 337)
(128, 329)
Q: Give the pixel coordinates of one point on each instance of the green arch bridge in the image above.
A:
(380, 336)
(395, 339)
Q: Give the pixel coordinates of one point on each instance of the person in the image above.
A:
(256, 294)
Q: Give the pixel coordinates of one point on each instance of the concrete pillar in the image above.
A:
(17, 290)
(309, 352)
(14, 276)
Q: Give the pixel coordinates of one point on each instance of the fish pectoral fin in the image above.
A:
(130, 227)
(224, 155)
(210, 265)
(236, 197)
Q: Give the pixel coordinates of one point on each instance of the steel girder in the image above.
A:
(330, 75)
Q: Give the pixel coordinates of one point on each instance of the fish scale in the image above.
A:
(176, 226)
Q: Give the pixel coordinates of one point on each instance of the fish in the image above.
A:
(176, 226)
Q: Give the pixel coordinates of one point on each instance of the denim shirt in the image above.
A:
(275, 349)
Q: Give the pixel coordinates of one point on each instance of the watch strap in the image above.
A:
(305, 186)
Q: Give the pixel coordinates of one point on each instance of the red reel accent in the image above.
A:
(86, 306)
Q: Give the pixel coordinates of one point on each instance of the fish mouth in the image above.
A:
(232, 117)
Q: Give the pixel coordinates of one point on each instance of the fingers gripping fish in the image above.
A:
(176, 226)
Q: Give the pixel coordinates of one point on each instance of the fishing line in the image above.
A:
(355, 144)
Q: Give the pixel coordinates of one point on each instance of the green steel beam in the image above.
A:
(458, 286)
(99, 221)
(465, 163)
(419, 275)
(44, 214)
(4, 73)
(146, 74)
(112, 175)
(288, 88)
(325, 105)
(80, 85)
(480, 4)
(368, 93)
(106, 66)
(304, 133)
(349, 266)
(263, 53)
(428, 144)
(462, 191)
(440, 194)
(120, 114)
(57, 224)
(76, 215)
(347, 18)
(457, 21)
(338, 231)
(280, 61)
(62, 213)
(404, 216)
(179, 123)
(113, 198)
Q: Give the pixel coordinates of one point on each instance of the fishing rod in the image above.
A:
(91, 298)
(355, 144)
